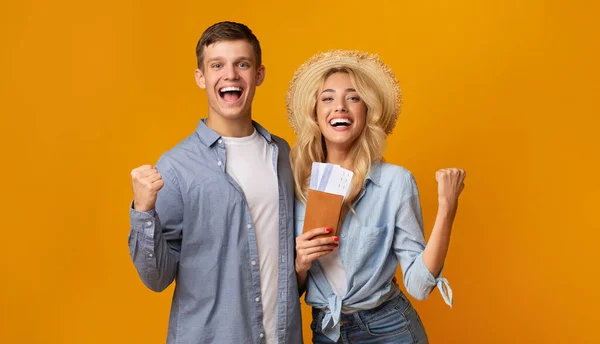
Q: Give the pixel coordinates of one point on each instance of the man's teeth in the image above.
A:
(340, 121)
(231, 89)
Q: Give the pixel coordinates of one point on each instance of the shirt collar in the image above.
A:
(375, 174)
(209, 136)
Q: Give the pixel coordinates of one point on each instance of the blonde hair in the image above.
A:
(310, 146)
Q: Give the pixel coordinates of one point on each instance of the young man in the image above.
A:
(216, 213)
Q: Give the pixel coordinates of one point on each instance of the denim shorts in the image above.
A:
(393, 322)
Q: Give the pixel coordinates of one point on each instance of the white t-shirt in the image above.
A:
(333, 270)
(250, 164)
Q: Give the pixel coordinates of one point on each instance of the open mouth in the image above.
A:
(340, 122)
(230, 93)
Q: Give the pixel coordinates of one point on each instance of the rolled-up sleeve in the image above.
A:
(155, 235)
(409, 244)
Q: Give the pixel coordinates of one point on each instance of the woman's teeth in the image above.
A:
(337, 122)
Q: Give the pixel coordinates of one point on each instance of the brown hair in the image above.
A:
(227, 31)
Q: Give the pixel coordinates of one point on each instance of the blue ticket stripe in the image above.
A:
(325, 178)
(314, 176)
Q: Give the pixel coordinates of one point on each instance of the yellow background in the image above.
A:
(507, 90)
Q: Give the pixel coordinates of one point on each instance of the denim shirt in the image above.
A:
(202, 236)
(387, 230)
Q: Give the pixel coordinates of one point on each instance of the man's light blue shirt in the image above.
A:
(201, 235)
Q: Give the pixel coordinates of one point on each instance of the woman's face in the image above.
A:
(341, 113)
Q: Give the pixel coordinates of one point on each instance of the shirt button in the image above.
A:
(253, 262)
(219, 163)
(249, 226)
(149, 224)
(220, 141)
(262, 335)
(150, 255)
(257, 299)
(343, 235)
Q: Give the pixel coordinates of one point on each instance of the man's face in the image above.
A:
(230, 78)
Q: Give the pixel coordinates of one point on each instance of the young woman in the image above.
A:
(342, 105)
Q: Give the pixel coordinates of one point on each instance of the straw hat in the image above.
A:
(369, 65)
